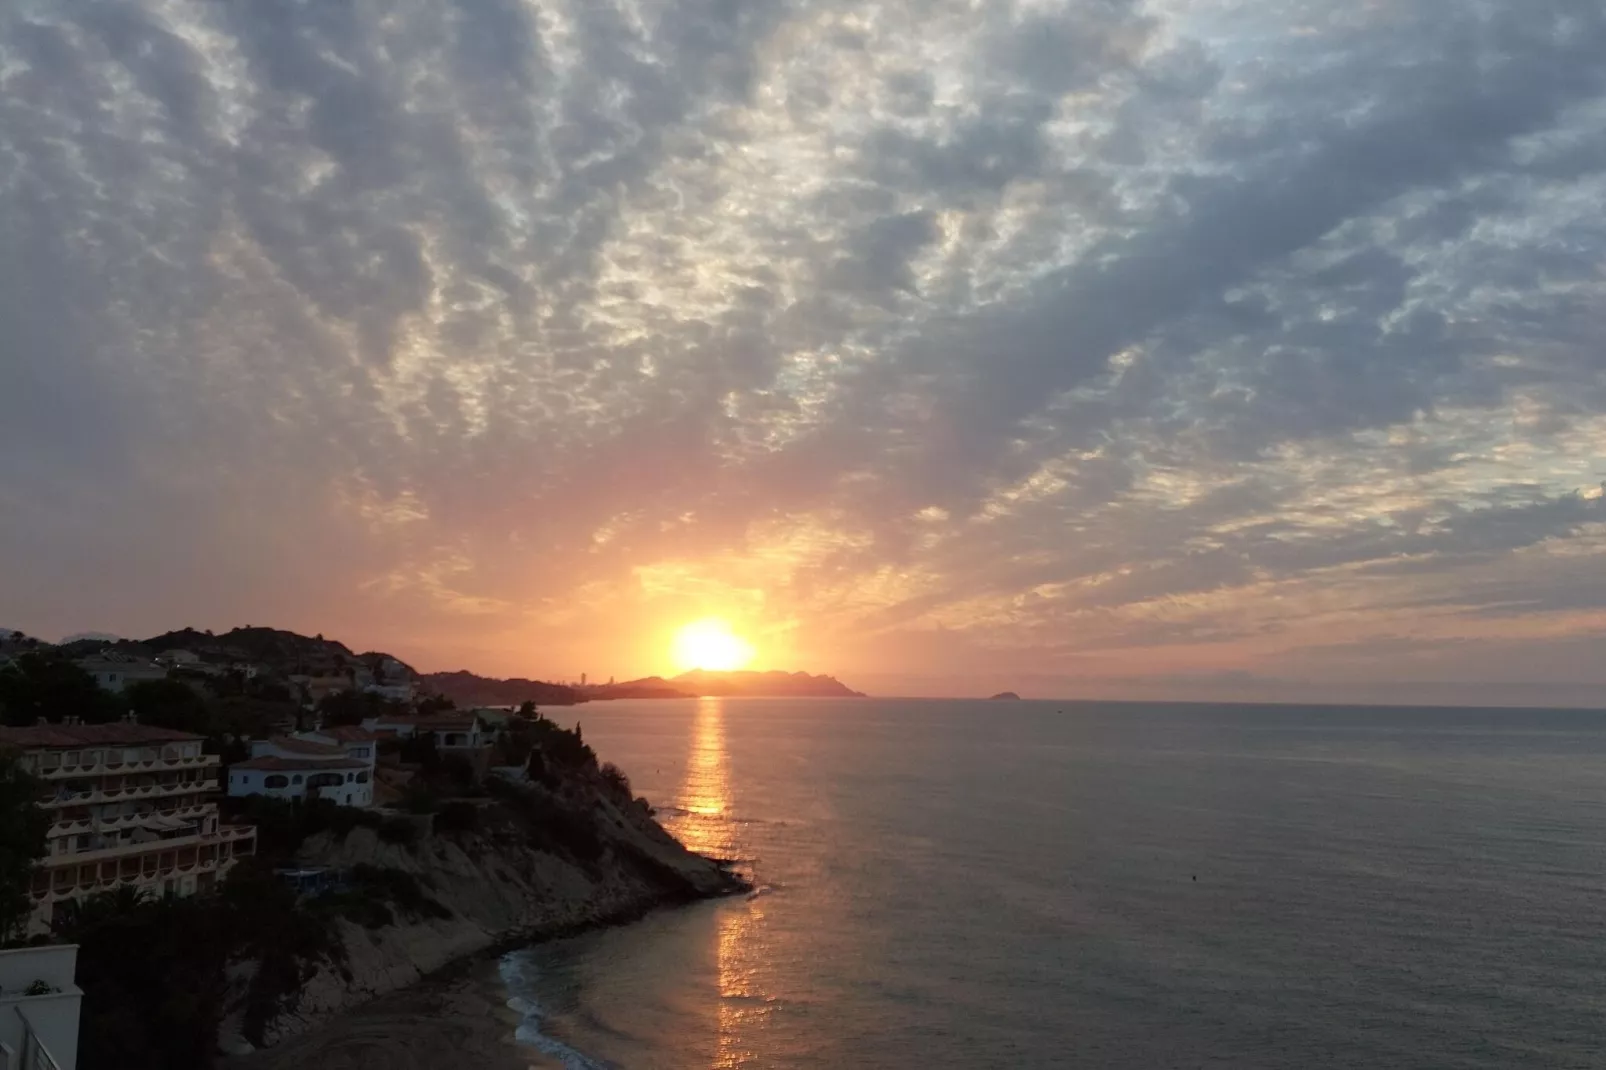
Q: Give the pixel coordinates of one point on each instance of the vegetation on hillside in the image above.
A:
(22, 842)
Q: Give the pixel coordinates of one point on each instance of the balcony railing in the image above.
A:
(34, 1054)
(142, 791)
(118, 765)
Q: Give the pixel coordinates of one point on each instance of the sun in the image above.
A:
(710, 644)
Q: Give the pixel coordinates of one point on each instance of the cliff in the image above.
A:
(527, 863)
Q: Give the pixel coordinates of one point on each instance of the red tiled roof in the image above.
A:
(307, 747)
(273, 764)
(346, 733)
(116, 733)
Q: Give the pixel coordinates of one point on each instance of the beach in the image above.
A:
(457, 1019)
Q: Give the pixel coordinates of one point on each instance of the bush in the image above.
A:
(398, 831)
(616, 782)
(396, 886)
(420, 798)
(457, 816)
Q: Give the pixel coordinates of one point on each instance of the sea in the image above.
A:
(954, 885)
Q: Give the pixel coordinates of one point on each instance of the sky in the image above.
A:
(1181, 348)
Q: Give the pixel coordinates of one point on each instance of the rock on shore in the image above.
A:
(499, 889)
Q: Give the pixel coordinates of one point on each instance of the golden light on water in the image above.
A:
(710, 644)
(705, 827)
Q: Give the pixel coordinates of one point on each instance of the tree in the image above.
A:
(22, 840)
(169, 704)
(44, 684)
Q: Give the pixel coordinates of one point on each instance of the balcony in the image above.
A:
(120, 794)
(118, 765)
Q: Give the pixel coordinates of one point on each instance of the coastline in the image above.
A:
(457, 1015)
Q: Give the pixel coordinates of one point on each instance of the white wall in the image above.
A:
(254, 782)
(54, 1017)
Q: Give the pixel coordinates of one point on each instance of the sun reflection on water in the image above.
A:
(704, 825)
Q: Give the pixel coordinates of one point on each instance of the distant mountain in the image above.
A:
(734, 684)
(1006, 695)
(89, 637)
(467, 689)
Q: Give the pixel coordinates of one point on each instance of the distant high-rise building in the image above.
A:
(582, 679)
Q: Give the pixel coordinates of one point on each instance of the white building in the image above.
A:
(453, 731)
(354, 742)
(292, 768)
(39, 1003)
(176, 657)
(114, 672)
(130, 804)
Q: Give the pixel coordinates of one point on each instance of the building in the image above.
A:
(115, 672)
(130, 805)
(39, 1004)
(175, 658)
(292, 768)
(354, 742)
(453, 731)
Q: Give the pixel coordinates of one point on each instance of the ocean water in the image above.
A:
(948, 884)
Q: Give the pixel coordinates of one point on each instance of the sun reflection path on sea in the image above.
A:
(705, 826)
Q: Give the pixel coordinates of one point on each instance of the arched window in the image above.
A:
(362, 777)
(277, 780)
(296, 779)
(350, 777)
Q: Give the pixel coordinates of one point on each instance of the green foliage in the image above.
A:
(152, 975)
(169, 703)
(22, 840)
(398, 831)
(435, 704)
(283, 825)
(562, 747)
(614, 779)
(549, 823)
(457, 816)
(289, 942)
(44, 683)
(420, 798)
(352, 707)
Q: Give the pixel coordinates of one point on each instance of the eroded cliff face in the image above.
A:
(500, 883)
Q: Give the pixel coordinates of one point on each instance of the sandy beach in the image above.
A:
(459, 1019)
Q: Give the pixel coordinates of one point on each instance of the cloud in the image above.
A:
(1068, 335)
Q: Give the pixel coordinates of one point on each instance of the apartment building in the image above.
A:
(130, 804)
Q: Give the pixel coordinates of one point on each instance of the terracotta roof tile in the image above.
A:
(274, 764)
(115, 733)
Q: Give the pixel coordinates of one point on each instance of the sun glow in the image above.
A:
(710, 644)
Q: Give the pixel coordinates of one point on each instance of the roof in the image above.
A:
(113, 734)
(274, 764)
(306, 746)
(420, 721)
(345, 733)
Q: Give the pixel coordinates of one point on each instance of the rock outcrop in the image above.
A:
(498, 888)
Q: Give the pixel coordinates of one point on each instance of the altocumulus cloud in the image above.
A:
(1203, 337)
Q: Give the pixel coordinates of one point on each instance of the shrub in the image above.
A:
(457, 816)
(399, 831)
(616, 781)
(419, 798)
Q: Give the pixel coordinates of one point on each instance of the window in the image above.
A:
(296, 779)
(362, 778)
(350, 777)
(277, 780)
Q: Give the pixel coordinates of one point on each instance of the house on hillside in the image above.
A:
(129, 804)
(452, 731)
(115, 672)
(291, 768)
(358, 743)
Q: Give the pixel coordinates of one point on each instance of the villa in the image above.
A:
(289, 767)
(130, 805)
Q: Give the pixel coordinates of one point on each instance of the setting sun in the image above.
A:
(710, 644)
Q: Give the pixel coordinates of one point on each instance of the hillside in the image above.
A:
(466, 689)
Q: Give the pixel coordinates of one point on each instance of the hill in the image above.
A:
(743, 684)
(466, 689)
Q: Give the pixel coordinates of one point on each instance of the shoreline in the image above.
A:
(457, 1015)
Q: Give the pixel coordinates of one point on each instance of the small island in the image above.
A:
(1009, 695)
